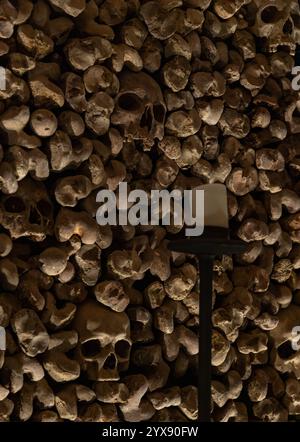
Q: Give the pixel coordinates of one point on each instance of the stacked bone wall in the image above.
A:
(101, 321)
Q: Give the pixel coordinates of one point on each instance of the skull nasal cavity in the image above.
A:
(288, 27)
(270, 14)
(129, 102)
(122, 348)
(146, 120)
(14, 205)
(296, 20)
(159, 113)
(44, 207)
(34, 217)
(91, 348)
(110, 362)
(285, 350)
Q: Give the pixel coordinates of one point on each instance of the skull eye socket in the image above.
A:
(270, 14)
(91, 348)
(122, 348)
(285, 350)
(129, 102)
(14, 205)
(159, 113)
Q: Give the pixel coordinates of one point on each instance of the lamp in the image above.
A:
(214, 241)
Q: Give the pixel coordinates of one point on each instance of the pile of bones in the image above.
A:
(101, 322)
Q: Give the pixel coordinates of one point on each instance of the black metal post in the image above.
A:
(214, 242)
(205, 333)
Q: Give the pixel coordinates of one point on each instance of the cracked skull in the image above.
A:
(104, 343)
(28, 212)
(285, 358)
(278, 22)
(140, 109)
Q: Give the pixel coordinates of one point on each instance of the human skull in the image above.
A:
(104, 342)
(140, 109)
(284, 357)
(28, 212)
(278, 21)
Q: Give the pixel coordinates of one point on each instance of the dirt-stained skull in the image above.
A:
(278, 22)
(28, 212)
(140, 109)
(104, 342)
(285, 356)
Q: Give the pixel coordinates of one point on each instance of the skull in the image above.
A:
(285, 359)
(140, 109)
(28, 212)
(104, 343)
(278, 22)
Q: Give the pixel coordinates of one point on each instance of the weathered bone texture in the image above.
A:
(101, 321)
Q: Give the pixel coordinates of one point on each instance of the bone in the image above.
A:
(189, 402)
(179, 286)
(270, 410)
(99, 78)
(226, 11)
(155, 294)
(221, 393)
(53, 261)
(111, 349)
(100, 104)
(252, 342)
(161, 24)
(158, 370)
(63, 341)
(111, 392)
(141, 324)
(70, 7)
(60, 367)
(6, 407)
(166, 94)
(32, 335)
(291, 398)
(40, 391)
(99, 413)
(66, 400)
(70, 190)
(165, 398)
(32, 284)
(233, 411)
(183, 123)
(87, 21)
(240, 182)
(43, 122)
(83, 54)
(176, 73)
(75, 92)
(112, 294)
(46, 93)
(57, 317)
(8, 274)
(137, 105)
(73, 292)
(69, 223)
(16, 367)
(46, 416)
(137, 408)
(169, 415)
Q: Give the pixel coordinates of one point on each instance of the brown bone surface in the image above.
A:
(101, 321)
